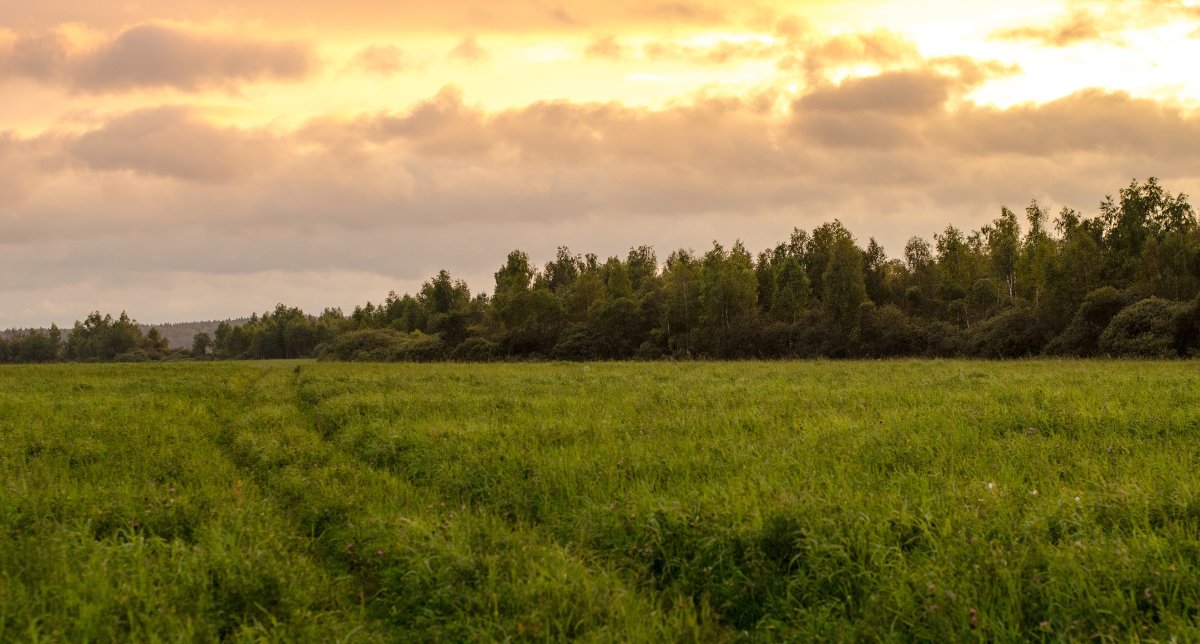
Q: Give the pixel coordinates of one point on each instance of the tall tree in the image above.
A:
(845, 288)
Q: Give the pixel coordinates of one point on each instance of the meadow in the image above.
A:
(306, 501)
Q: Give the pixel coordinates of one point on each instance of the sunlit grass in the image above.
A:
(647, 502)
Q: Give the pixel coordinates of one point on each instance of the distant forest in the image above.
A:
(1123, 283)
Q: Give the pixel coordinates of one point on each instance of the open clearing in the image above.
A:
(646, 502)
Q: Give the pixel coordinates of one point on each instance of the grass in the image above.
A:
(1046, 500)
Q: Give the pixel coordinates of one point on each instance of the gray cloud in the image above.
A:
(155, 55)
(172, 142)
(391, 197)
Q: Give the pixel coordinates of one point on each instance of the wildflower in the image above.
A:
(991, 486)
(1033, 492)
(378, 553)
(350, 548)
(1044, 625)
(974, 617)
(1110, 449)
(171, 491)
(1032, 431)
(1077, 499)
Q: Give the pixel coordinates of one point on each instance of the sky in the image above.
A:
(203, 159)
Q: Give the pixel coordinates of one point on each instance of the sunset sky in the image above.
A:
(203, 159)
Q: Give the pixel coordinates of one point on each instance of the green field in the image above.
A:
(645, 502)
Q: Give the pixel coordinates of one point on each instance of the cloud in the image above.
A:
(721, 52)
(468, 50)
(155, 55)
(444, 17)
(608, 47)
(817, 56)
(1078, 27)
(1091, 121)
(904, 92)
(1105, 21)
(173, 142)
(379, 60)
(391, 196)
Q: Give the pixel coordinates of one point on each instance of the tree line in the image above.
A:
(1125, 282)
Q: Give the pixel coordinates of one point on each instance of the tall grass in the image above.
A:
(644, 502)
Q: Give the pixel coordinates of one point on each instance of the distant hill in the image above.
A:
(179, 335)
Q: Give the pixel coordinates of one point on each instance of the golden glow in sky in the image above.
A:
(152, 150)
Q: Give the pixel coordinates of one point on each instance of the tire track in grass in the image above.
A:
(127, 527)
(425, 570)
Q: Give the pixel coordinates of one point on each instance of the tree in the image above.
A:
(728, 296)
(792, 291)
(642, 265)
(845, 288)
(200, 344)
(1004, 243)
(563, 270)
(154, 343)
(953, 265)
(875, 269)
(681, 306)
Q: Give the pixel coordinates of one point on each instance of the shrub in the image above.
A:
(579, 344)
(475, 350)
(887, 332)
(1187, 328)
(1013, 333)
(386, 345)
(1082, 335)
(1146, 329)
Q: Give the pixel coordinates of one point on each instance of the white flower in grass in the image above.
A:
(991, 485)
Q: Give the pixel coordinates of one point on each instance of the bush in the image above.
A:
(475, 350)
(136, 355)
(1187, 329)
(1146, 329)
(385, 345)
(888, 332)
(1082, 335)
(1014, 333)
(579, 344)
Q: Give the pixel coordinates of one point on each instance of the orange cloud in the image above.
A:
(173, 142)
(380, 60)
(468, 50)
(155, 55)
(1114, 18)
(1078, 27)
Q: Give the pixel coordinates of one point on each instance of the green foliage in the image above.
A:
(475, 350)
(200, 345)
(728, 298)
(386, 345)
(32, 346)
(844, 286)
(878, 501)
(1082, 336)
(998, 291)
(1145, 329)
(1014, 333)
(100, 338)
